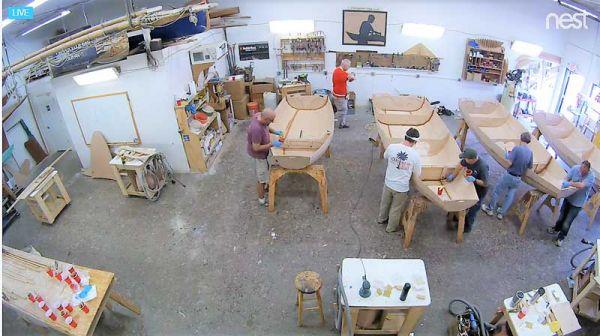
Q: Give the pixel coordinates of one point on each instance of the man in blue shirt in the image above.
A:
(582, 178)
(521, 159)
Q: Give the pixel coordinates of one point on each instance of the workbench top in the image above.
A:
(25, 273)
(387, 278)
(530, 325)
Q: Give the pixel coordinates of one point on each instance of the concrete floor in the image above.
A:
(203, 259)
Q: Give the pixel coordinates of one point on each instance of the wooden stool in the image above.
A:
(307, 283)
(317, 172)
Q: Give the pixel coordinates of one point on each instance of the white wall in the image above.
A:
(151, 92)
(500, 20)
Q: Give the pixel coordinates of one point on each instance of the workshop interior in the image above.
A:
(231, 167)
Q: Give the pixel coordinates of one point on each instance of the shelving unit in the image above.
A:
(484, 61)
(194, 140)
(305, 54)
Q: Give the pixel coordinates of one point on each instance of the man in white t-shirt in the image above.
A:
(403, 161)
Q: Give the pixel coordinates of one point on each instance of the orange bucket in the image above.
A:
(252, 108)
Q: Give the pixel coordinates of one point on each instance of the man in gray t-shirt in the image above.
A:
(521, 159)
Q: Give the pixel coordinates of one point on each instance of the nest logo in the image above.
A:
(567, 20)
(20, 13)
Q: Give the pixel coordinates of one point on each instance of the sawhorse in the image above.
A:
(526, 204)
(418, 204)
(317, 172)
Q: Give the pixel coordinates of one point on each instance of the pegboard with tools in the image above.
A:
(306, 53)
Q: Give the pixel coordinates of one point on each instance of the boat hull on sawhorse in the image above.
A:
(307, 124)
(568, 142)
(437, 148)
(498, 132)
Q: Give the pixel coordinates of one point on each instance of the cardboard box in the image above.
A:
(240, 108)
(262, 85)
(237, 89)
(258, 98)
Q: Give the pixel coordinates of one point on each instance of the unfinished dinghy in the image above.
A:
(436, 146)
(307, 125)
(568, 141)
(498, 132)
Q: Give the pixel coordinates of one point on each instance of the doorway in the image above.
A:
(570, 101)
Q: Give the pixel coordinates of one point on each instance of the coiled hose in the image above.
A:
(482, 330)
(157, 171)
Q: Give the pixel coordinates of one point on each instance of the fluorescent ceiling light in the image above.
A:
(526, 48)
(63, 13)
(286, 27)
(422, 30)
(97, 76)
(33, 4)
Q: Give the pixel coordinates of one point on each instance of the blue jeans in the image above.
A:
(472, 214)
(508, 186)
(568, 212)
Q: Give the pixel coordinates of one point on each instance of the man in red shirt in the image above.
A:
(340, 78)
(258, 147)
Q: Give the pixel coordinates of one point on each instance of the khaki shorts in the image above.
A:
(262, 170)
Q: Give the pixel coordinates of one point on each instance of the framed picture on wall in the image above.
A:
(364, 27)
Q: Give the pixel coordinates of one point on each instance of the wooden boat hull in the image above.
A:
(437, 148)
(568, 141)
(498, 131)
(307, 124)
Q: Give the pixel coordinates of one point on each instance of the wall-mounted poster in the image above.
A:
(254, 51)
(364, 27)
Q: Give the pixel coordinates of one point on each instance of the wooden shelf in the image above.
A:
(473, 64)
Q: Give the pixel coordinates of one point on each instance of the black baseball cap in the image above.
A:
(468, 153)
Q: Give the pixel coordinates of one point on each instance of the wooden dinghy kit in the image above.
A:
(307, 125)
(572, 147)
(498, 132)
(438, 151)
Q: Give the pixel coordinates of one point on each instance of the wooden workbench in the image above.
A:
(387, 277)
(586, 290)
(25, 273)
(530, 325)
(46, 196)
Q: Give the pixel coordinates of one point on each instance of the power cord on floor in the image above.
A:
(470, 317)
(357, 202)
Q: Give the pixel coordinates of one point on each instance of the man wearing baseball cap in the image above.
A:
(403, 163)
(476, 172)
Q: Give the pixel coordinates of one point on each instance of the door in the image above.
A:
(569, 102)
(51, 122)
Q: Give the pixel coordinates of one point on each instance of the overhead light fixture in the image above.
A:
(92, 77)
(526, 48)
(286, 27)
(32, 4)
(422, 30)
(63, 13)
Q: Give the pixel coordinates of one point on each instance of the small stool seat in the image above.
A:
(308, 283)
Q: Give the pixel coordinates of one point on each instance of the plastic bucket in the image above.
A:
(252, 108)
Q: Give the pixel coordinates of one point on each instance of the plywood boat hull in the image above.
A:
(498, 131)
(437, 148)
(568, 141)
(307, 123)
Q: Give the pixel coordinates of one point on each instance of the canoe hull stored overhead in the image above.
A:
(307, 125)
(498, 132)
(437, 148)
(568, 142)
